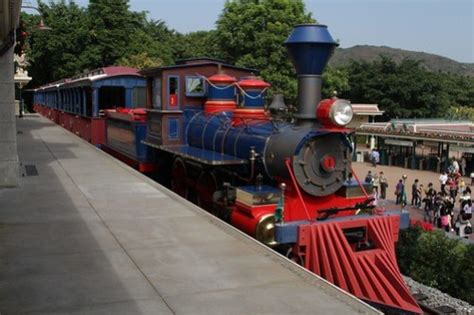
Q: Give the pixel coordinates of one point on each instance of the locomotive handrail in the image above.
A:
(222, 122)
(230, 85)
(188, 125)
(358, 182)
(212, 84)
(250, 96)
(293, 179)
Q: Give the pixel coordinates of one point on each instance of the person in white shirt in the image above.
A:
(443, 178)
(455, 166)
(467, 210)
(376, 185)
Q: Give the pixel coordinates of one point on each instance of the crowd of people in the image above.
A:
(450, 208)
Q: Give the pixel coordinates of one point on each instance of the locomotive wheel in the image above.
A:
(294, 257)
(206, 186)
(178, 178)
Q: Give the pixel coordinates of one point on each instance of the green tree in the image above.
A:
(403, 90)
(140, 61)
(335, 80)
(250, 33)
(112, 26)
(407, 247)
(197, 44)
(463, 112)
(150, 41)
(466, 274)
(56, 54)
(104, 34)
(437, 260)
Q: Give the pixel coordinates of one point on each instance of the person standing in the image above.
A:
(455, 165)
(443, 178)
(415, 194)
(452, 187)
(375, 157)
(429, 203)
(383, 185)
(467, 210)
(421, 189)
(400, 192)
(461, 186)
(463, 165)
(369, 179)
(376, 185)
(450, 211)
(444, 219)
(461, 225)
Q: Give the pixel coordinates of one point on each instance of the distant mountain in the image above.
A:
(432, 62)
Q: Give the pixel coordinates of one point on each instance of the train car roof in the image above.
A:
(194, 62)
(89, 77)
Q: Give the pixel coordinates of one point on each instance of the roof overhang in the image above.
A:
(197, 62)
(9, 17)
(457, 132)
(367, 110)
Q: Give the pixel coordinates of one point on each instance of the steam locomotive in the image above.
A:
(287, 183)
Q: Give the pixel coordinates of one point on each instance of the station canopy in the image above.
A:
(439, 130)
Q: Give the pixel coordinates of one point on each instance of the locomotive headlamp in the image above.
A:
(334, 112)
(341, 112)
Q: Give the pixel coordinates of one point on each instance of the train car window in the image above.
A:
(88, 102)
(111, 97)
(173, 85)
(139, 97)
(173, 91)
(195, 86)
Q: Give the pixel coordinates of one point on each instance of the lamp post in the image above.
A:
(41, 25)
(21, 75)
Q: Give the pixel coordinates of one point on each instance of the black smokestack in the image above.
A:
(310, 46)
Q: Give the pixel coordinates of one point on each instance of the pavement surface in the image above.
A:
(88, 235)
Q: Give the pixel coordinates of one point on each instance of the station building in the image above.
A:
(424, 144)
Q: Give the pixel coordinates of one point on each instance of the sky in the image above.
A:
(442, 27)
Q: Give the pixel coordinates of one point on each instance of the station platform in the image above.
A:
(86, 234)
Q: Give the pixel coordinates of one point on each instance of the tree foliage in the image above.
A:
(57, 54)
(436, 260)
(111, 27)
(250, 33)
(407, 89)
(335, 80)
(103, 34)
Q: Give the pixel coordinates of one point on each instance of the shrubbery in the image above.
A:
(438, 261)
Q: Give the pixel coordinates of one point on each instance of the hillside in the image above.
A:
(432, 62)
